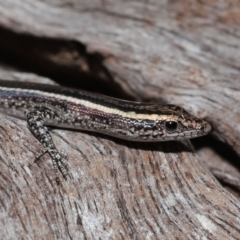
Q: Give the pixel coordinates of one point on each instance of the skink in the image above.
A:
(42, 105)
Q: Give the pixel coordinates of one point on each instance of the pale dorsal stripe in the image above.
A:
(91, 105)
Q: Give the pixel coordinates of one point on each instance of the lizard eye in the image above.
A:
(171, 126)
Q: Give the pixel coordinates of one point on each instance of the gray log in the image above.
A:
(185, 54)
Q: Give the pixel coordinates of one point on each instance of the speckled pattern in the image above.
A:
(43, 105)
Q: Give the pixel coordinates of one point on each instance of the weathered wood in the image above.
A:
(159, 51)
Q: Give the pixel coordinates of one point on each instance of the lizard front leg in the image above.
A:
(35, 120)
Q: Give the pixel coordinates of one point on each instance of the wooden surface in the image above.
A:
(180, 52)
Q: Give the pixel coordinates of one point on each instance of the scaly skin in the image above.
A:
(43, 105)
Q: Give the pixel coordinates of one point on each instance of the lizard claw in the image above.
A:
(59, 160)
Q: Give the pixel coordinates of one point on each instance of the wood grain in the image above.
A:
(184, 53)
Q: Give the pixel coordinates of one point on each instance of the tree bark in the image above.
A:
(179, 52)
